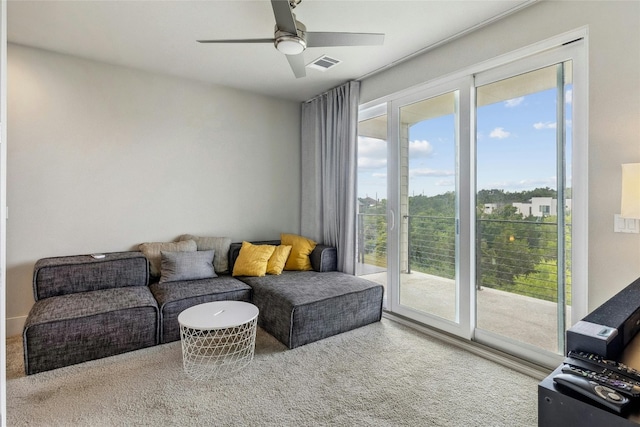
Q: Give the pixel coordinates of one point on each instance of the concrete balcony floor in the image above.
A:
(524, 319)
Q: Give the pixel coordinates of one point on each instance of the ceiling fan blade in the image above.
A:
(297, 65)
(238, 41)
(320, 39)
(284, 17)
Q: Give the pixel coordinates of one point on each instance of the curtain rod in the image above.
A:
(327, 91)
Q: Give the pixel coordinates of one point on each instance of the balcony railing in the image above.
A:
(517, 256)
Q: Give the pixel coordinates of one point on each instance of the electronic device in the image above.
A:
(600, 393)
(609, 328)
(597, 383)
(607, 378)
(97, 256)
(612, 365)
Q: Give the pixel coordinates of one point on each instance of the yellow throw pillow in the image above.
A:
(252, 260)
(278, 259)
(300, 250)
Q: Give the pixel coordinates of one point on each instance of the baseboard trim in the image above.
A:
(515, 363)
(15, 325)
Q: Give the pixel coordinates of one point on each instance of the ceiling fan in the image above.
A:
(291, 36)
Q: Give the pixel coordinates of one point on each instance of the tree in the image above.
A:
(514, 253)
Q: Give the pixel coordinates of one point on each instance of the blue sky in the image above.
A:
(515, 149)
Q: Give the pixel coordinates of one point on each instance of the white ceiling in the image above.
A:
(160, 36)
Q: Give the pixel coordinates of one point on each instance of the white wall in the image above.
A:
(614, 108)
(102, 158)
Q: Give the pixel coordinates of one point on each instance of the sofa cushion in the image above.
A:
(253, 260)
(301, 248)
(186, 266)
(152, 251)
(278, 259)
(75, 328)
(82, 273)
(218, 244)
(301, 307)
(175, 297)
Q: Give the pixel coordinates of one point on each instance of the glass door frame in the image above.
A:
(464, 249)
(572, 52)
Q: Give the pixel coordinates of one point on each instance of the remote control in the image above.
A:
(97, 256)
(600, 370)
(606, 378)
(591, 389)
(601, 362)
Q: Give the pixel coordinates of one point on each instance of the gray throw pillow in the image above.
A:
(152, 251)
(177, 266)
(219, 244)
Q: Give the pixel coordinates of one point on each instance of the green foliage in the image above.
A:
(440, 205)
(501, 196)
(542, 283)
(514, 253)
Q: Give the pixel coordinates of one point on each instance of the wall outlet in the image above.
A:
(625, 225)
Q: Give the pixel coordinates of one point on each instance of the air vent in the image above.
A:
(324, 63)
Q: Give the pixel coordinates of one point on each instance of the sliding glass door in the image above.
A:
(523, 204)
(409, 209)
(465, 196)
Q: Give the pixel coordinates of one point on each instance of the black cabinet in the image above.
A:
(565, 408)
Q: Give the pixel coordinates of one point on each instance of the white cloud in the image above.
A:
(371, 146)
(446, 183)
(510, 103)
(499, 133)
(546, 125)
(372, 153)
(523, 184)
(420, 148)
(568, 96)
(421, 172)
(379, 175)
(371, 163)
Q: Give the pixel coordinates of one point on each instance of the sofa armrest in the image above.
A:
(324, 258)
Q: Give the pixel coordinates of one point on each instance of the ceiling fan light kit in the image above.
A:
(290, 44)
(292, 39)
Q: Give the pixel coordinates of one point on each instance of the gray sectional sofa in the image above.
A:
(90, 308)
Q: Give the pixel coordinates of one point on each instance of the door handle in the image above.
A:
(393, 220)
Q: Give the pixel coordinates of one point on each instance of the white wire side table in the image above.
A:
(218, 338)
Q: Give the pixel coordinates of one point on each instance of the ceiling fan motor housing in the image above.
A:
(291, 44)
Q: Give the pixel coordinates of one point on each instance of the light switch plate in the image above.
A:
(625, 225)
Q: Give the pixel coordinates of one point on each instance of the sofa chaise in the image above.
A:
(300, 307)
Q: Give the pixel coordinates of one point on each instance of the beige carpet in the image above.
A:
(383, 374)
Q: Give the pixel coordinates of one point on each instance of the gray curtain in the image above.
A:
(329, 135)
